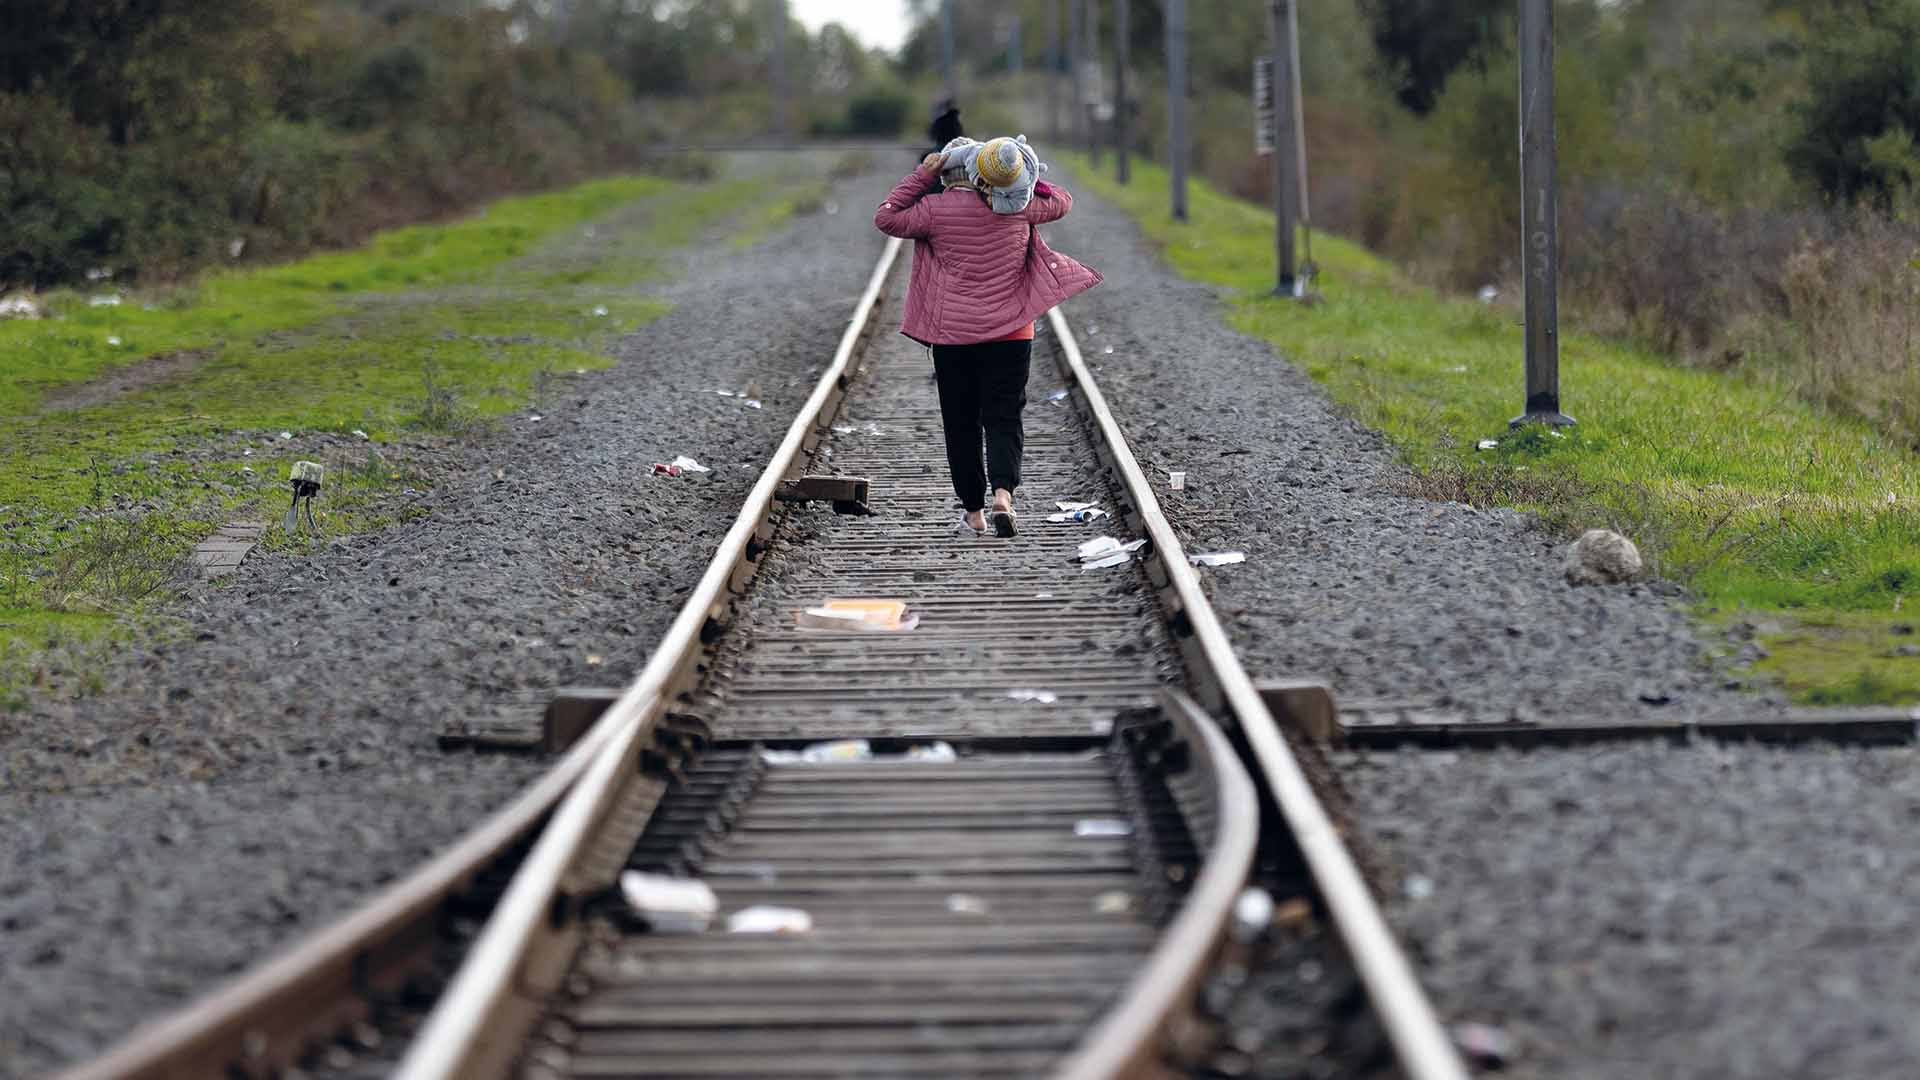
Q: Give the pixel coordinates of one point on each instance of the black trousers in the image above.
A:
(982, 390)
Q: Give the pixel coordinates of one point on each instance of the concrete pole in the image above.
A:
(1122, 115)
(1177, 105)
(1013, 46)
(1285, 171)
(1539, 216)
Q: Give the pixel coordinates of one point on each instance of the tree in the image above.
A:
(1862, 114)
(1422, 42)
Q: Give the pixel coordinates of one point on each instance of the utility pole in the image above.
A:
(1076, 92)
(1090, 37)
(1300, 141)
(1054, 89)
(1285, 147)
(1539, 217)
(946, 49)
(1122, 128)
(781, 95)
(1177, 104)
(1013, 46)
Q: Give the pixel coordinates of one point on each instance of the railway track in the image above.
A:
(1048, 900)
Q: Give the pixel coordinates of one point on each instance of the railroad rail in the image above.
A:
(1048, 900)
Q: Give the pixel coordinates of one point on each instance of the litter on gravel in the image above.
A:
(1038, 697)
(769, 919)
(1217, 558)
(1107, 551)
(687, 464)
(1102, 827)
(669, 905)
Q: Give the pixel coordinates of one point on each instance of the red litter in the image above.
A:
(661, 468)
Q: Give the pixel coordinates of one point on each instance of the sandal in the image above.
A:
(1003, 524)
(968, 526)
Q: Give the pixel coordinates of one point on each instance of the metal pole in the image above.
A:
(782, 96)
(1122, 128)
(1300, 138)
(1539, 216)
(1013, 46)
(1076, 94)
(1090, 37)
(1177, 105)
(1285, 172)
(946, 48)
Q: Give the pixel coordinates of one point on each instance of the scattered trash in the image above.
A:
(769, 919)
(1101, 725)
(112, 340)
(752, 404)
(1111, 560)
(936, 752)
(1252, 914)
(1488, 293)
(1092, 513)
(884, 616)
(687, 464)
(248, 469)
(1074, 505)
(595, 659)
(1113, 902)
(728, 393)
(18, 307)
(1483, 1045)
(1418, 887)
(600, 310)
(966, 904)
(844, 429)
(286, 435)
(99, 273)
(1043, 596)
(1176, 480)
(1106, 551)
(1486, 444)
(1555, 433)
(1217, 558)
(661, 468)
(1038, 697)
(1058, 396)
(534, 418)
(104, 300)
(1108, 351)
(1102, 827)
(822, 753)
(361, 435)
(235, 246)
(669, 905)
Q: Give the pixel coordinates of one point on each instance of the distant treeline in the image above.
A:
(152, 136)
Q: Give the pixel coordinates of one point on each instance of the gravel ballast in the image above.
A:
(1717, 910)
(266, 768)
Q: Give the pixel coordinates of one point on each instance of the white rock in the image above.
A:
(1602, 557)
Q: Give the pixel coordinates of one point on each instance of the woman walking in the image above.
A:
(981, 276)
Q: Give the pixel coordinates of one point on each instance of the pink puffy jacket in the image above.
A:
(977, 275)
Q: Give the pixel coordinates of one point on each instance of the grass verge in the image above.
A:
(130, 430)
(1788, 523)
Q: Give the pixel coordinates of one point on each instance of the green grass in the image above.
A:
(1769, 509)
(423, 335)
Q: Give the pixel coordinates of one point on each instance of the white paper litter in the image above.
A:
(1041, 697)
(1111, 560)
(1057, 395)
(769, 919)
(966, 904)
(1102, 827)
(752, 404)
(1070, 507)
(670, 905)
(1487, 444)
(104, 300)
(112, 340)
(1217, 558)
(687, 464)
(1102, 548)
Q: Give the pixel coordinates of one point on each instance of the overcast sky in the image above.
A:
(878, 23)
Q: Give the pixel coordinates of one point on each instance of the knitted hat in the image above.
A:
(1000, 163)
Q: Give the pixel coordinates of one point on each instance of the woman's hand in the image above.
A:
(934, 162)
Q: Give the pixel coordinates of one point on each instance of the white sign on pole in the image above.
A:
(1263, 105)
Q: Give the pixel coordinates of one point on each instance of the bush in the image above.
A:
(878, 111)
